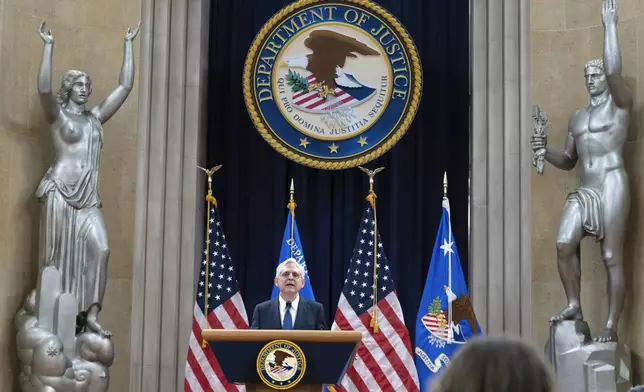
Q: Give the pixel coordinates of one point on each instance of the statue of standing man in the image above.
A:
(600, 207)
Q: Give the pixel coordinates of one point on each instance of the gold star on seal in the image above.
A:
(362, 141)
(304, 142)
(333, 148)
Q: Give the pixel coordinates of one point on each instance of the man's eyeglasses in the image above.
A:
(285, 274)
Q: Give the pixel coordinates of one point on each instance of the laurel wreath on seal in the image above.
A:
(415, 95)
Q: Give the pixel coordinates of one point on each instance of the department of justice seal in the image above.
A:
(281, 364)
(332, 84)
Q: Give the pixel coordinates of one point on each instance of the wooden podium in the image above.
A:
(328, 355)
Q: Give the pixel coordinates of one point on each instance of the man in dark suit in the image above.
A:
(289, 310)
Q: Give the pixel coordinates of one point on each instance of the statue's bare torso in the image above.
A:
(73, 135)
(599, 133)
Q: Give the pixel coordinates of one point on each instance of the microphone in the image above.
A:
(288, 304)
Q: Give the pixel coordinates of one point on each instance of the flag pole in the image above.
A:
(372, 200)
(291, 206)
(210, 199)
(450, 335)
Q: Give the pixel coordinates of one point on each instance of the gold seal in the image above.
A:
(332, 84)
(281, 364)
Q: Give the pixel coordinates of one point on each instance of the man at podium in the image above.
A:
(289, 310)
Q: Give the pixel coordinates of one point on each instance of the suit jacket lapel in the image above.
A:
(298, 314)
(275, 310)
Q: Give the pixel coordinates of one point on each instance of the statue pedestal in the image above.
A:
(584, 366)
(53, 357)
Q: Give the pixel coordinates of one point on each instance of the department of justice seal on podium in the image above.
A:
(281, 364)
(332, 84)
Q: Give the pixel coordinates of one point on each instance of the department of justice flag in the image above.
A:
(445, 319)
(292, 248)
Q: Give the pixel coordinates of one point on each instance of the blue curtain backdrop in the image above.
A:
(252, 188)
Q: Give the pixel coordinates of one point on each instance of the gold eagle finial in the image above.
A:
(211, 171)
(371, 174)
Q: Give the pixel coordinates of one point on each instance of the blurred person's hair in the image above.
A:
(496, 364)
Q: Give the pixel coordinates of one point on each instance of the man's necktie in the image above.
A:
(288, 319)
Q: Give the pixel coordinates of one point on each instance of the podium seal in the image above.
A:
(332, 84)
(281, 364)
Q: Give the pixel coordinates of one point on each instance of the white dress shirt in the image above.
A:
(293, 309)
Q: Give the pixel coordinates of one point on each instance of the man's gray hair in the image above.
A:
(282, 265)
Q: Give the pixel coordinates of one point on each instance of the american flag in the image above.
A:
(384, 361)
(217, 287)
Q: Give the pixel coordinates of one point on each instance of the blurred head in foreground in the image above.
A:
(497, 364)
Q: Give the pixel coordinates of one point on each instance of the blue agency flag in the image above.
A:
(446, 318)
(292, 247)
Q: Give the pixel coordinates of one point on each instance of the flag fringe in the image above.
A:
(210, 198)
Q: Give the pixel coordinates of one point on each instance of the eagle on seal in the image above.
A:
(280, 356)
(330, 52)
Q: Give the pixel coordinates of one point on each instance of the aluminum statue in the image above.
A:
(599, 209)
(61, 344)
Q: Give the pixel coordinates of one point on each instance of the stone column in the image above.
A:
(169, 189)
(500, 254)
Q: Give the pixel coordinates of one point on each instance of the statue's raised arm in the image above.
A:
(613, 58)
(106, 109)
(47, 99)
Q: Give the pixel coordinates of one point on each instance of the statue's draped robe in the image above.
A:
(590, 203)
(69, 212)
